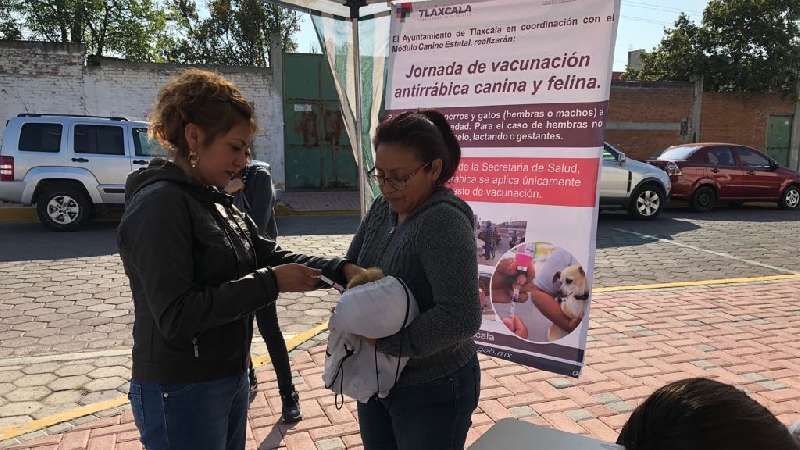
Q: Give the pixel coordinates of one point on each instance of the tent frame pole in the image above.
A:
(355, 6)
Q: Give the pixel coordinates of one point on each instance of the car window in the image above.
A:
(144, 146)
(720, 156)
(750, 158)
(40, 137)
(677, 153)
(700, 156)
(608, 156)
(99, 139)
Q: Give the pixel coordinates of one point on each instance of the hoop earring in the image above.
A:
(193, 159)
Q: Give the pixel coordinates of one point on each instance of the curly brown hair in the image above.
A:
(200, 97)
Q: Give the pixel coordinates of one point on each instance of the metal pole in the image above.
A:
(362, 175)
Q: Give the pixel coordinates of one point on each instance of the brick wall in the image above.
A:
(741, 118)
(644, 118)
(45, 77)
(37, 75)
(642, 145)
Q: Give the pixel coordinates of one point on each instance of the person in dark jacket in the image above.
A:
(254, 194)
(420, 232)
(198, 270)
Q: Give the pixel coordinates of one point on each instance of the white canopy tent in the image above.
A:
(354, 36)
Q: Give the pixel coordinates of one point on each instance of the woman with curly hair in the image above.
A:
(199, 269)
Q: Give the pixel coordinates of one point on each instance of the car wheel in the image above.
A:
(646, 202)
(703, 199)
(790, 198)
(63, 208)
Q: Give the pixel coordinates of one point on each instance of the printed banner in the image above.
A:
(525, 86)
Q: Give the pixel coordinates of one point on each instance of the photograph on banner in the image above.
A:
(539, 292)
(525, 86)
(494, 237)
(535, 298)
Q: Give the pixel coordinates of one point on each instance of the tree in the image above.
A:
(679, 55)
(236, 32)
(123, 28)
(9, 20)
(742, 45)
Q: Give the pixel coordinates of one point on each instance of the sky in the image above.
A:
(641, 25)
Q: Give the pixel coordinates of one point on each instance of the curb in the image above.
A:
(21, 214)
(282, 210)
(45, 422)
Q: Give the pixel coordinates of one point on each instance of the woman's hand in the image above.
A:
(296, 278)
(573, 323)
(551, 309)
(351, 270)
(528, 288)
(517, 326)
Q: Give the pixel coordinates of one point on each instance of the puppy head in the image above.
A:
(573, 282)
(368, 276)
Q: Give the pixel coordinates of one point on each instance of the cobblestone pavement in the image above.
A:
(744, 335)
(65, 323)
(65, 310)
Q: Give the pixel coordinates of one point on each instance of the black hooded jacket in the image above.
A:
(198, 270)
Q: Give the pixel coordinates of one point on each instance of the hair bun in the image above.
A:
(450, 141)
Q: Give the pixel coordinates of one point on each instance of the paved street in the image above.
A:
(65, 310)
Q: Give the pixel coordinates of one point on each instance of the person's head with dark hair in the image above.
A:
(415, 152)
(703, 414)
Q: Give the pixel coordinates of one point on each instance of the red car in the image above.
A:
(705, 173)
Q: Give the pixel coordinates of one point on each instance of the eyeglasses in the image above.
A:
(397, 183)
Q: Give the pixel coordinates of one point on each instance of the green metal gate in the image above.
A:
(779, 136)
(318, 152)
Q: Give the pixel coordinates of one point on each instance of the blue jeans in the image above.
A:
(430, 416)
(195, 416)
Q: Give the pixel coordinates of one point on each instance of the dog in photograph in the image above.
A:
(573, 296)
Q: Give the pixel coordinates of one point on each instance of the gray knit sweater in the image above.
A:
(433, 252)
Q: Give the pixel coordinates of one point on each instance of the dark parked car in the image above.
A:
(705, 173)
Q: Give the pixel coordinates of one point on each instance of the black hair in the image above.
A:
(703, 414)
(428, 134)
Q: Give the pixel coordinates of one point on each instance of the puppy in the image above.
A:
(367, 276)
(573, 296)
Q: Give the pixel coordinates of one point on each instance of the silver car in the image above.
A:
(643, 190)
(70, 166)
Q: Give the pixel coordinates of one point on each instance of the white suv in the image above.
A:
(68, 166)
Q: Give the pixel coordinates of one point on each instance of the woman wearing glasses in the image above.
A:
(420, 232)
